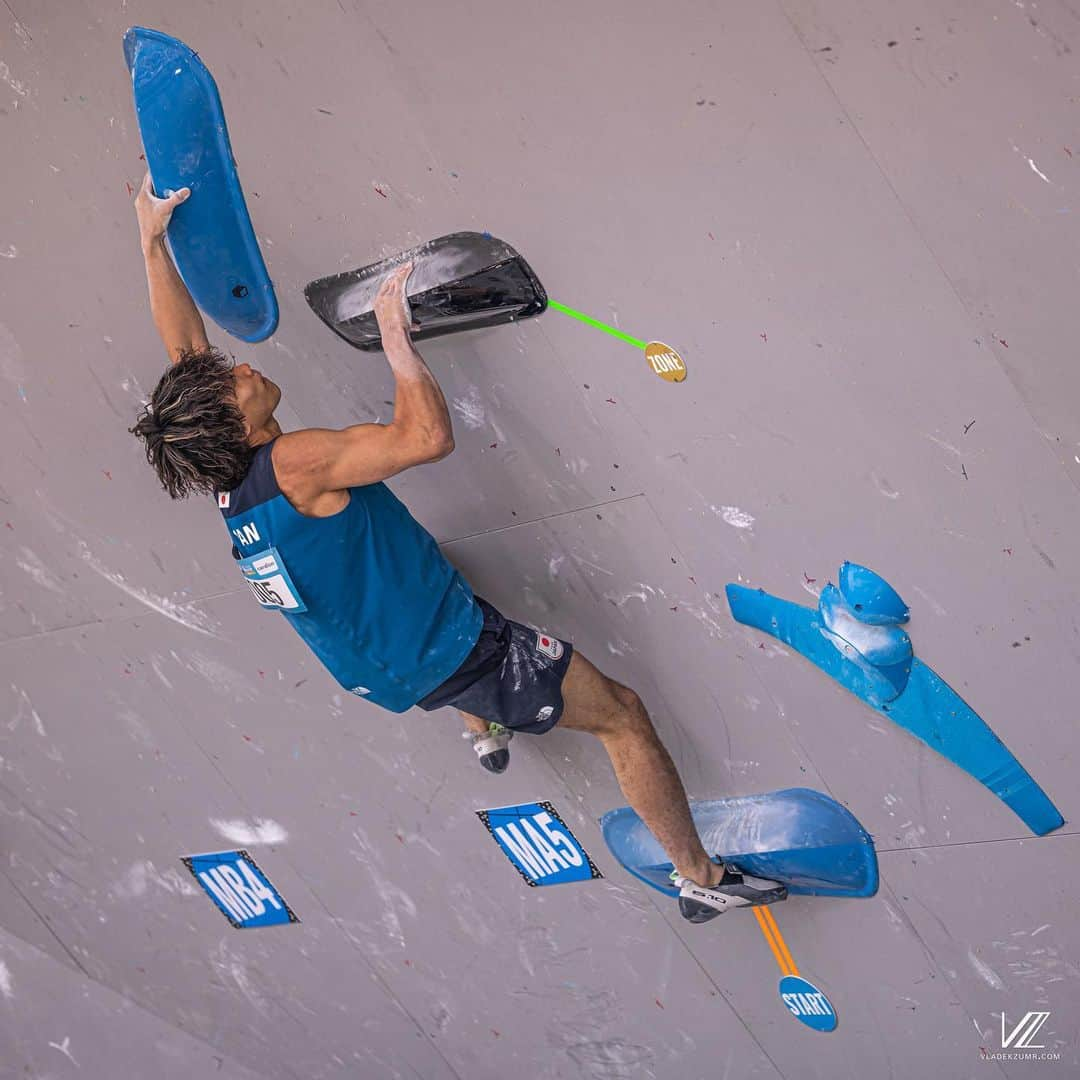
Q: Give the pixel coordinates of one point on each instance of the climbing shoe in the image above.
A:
(492, 746)
(699, 904)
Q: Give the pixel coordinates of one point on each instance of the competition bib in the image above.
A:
(268, 579)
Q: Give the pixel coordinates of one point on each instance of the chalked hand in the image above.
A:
(392, 310)
(154, 213)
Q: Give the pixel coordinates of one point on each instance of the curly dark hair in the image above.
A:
(193, 430)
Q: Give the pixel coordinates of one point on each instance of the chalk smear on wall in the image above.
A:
(471, 409)
(222, 677)
(155, 663)
(65, 1049)
(733, 516)
(985, 972)
(19, 87)
(24, 700)
(12, 365)
(591, 565)
(937, 608)
(261, 831)
(141, 875)
(182, 614)
(885, 487)
(32, 565)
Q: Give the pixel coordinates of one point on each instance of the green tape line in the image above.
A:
(599, 325)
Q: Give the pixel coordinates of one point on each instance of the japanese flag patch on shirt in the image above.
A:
(549, 646)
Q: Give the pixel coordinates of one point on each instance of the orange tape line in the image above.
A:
(785, 951)
(766, 929)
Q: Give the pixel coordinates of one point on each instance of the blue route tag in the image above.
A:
(539, 844)
(241, 891)
(270, 583)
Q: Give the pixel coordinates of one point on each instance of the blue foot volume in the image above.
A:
(798, 837)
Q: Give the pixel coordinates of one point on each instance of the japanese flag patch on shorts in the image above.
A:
(549, 646)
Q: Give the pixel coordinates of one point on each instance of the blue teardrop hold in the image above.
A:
(880, 646)
(871, 598)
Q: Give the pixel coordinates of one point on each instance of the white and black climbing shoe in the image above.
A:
(699, 904)
(492, 746)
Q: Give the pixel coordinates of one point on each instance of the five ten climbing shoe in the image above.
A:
(700, 904)
(491, 746)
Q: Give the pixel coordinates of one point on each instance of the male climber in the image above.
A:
(321, 539)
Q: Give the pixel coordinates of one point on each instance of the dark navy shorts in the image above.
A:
(513, 677)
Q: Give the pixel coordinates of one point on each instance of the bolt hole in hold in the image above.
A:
(240, 291)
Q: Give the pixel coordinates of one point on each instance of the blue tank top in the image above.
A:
(368, 589)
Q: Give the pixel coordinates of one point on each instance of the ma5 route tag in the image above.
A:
(539, 844)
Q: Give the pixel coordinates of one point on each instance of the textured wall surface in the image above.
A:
(855, 221)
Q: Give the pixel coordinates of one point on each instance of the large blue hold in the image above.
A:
(798, 836)
(187, 145)
(909, 694)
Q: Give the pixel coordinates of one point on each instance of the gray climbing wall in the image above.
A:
(857, 223)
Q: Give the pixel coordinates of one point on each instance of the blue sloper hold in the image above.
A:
(881, 646)
(798, 836)
(872, 598)
(926, 705)
(183, 131)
